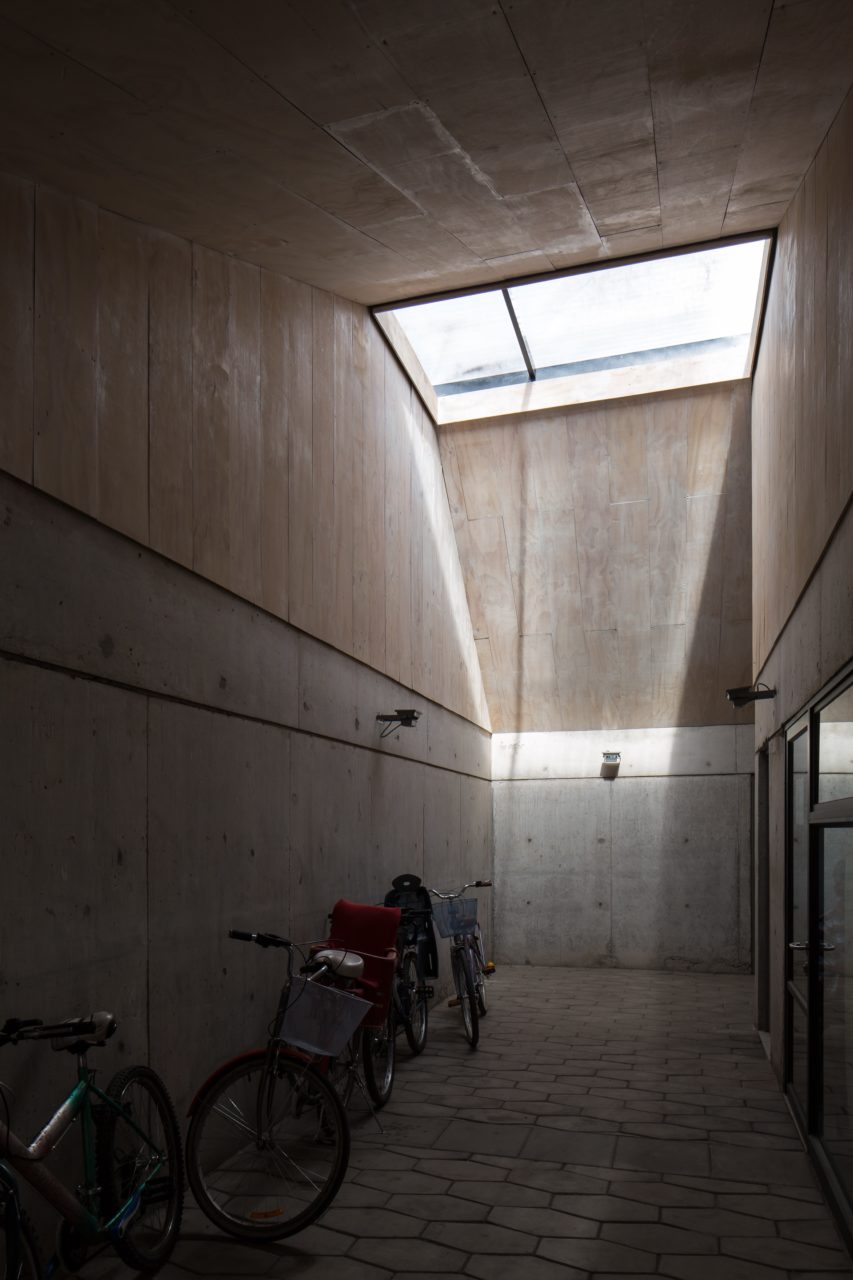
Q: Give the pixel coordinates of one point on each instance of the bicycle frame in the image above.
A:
(26, 1160)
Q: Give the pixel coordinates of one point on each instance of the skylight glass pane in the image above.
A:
(699, 306)
(686, 320)
(463, 339)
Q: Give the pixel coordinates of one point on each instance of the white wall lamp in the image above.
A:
(610, 761)
(399, 719)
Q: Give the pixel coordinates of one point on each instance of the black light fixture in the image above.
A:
(749, 693)
(403, 719)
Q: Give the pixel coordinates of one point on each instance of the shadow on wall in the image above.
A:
(138, 824)
(682, 844)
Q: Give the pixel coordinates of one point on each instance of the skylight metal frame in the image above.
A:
(503, 287)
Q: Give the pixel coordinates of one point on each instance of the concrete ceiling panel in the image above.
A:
(383, 150)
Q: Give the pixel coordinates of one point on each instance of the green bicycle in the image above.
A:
(133, 1188)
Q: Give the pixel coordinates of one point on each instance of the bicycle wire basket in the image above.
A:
(455, 915)
(321, 1019)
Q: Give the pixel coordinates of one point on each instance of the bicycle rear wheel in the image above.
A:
(126, 1163)
(378, 1049)
(464, 984)
(416, 1022)
(341, 1073)
(267, 1149)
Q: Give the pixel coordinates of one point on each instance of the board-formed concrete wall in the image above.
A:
(247, 426)
(650, 870)
(175, 762)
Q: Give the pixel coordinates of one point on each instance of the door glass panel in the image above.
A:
(837, 984)
(799, 790)
(799, 1054)
(835, 752)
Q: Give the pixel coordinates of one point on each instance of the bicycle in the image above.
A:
(132, 1193)
(268, 1142)
(416, 957)
(456, 918)
(368, 933)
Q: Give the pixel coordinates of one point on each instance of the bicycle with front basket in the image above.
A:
(268, 1142)
(456, 919)
(132, 1192)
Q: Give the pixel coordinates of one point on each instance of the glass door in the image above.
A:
(799, 937)
(819, 939)
(835, 1123)
(832, 826)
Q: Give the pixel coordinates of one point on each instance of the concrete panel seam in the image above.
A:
(149, 694)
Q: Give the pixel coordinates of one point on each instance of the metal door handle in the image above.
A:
(798, 946)
(827, 946)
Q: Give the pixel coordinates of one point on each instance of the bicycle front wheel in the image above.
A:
(19, 1260)
(144, 1167)
(464, 984)
(416, 1023)
(478, 962)
(267, 1148)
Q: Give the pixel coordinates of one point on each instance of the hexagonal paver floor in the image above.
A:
(612, 1124)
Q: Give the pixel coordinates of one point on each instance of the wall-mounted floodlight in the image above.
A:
(610, 761)
(742, 696)
(401, 719)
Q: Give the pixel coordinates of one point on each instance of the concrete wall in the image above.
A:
(173, 762)
(651, 870)
(802, 441)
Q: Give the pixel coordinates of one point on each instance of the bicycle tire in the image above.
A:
(464, 985)
(478, 960)
(416, 1023)
(30, 1259)
(150, 1234)
(308, 1124)
(378, 1057)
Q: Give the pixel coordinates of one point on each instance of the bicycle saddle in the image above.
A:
(345, 964)
(83, 1033)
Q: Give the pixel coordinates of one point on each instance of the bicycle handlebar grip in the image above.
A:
(483, 884)
(12, 1026)
(262, 939)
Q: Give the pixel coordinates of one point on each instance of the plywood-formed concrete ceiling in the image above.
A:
(389, 148)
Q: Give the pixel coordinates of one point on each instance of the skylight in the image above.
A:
(594, 334)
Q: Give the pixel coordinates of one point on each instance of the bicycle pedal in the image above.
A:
(453, 1002)
(426, 992)
(489, 968)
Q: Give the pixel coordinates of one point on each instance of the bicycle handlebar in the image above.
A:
(474, 884)
(260, 939)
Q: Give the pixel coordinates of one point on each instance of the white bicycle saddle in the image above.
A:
(346, 964)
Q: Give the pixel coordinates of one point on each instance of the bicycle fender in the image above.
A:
(250, 1055)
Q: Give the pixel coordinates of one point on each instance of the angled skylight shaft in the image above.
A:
(682, 320)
